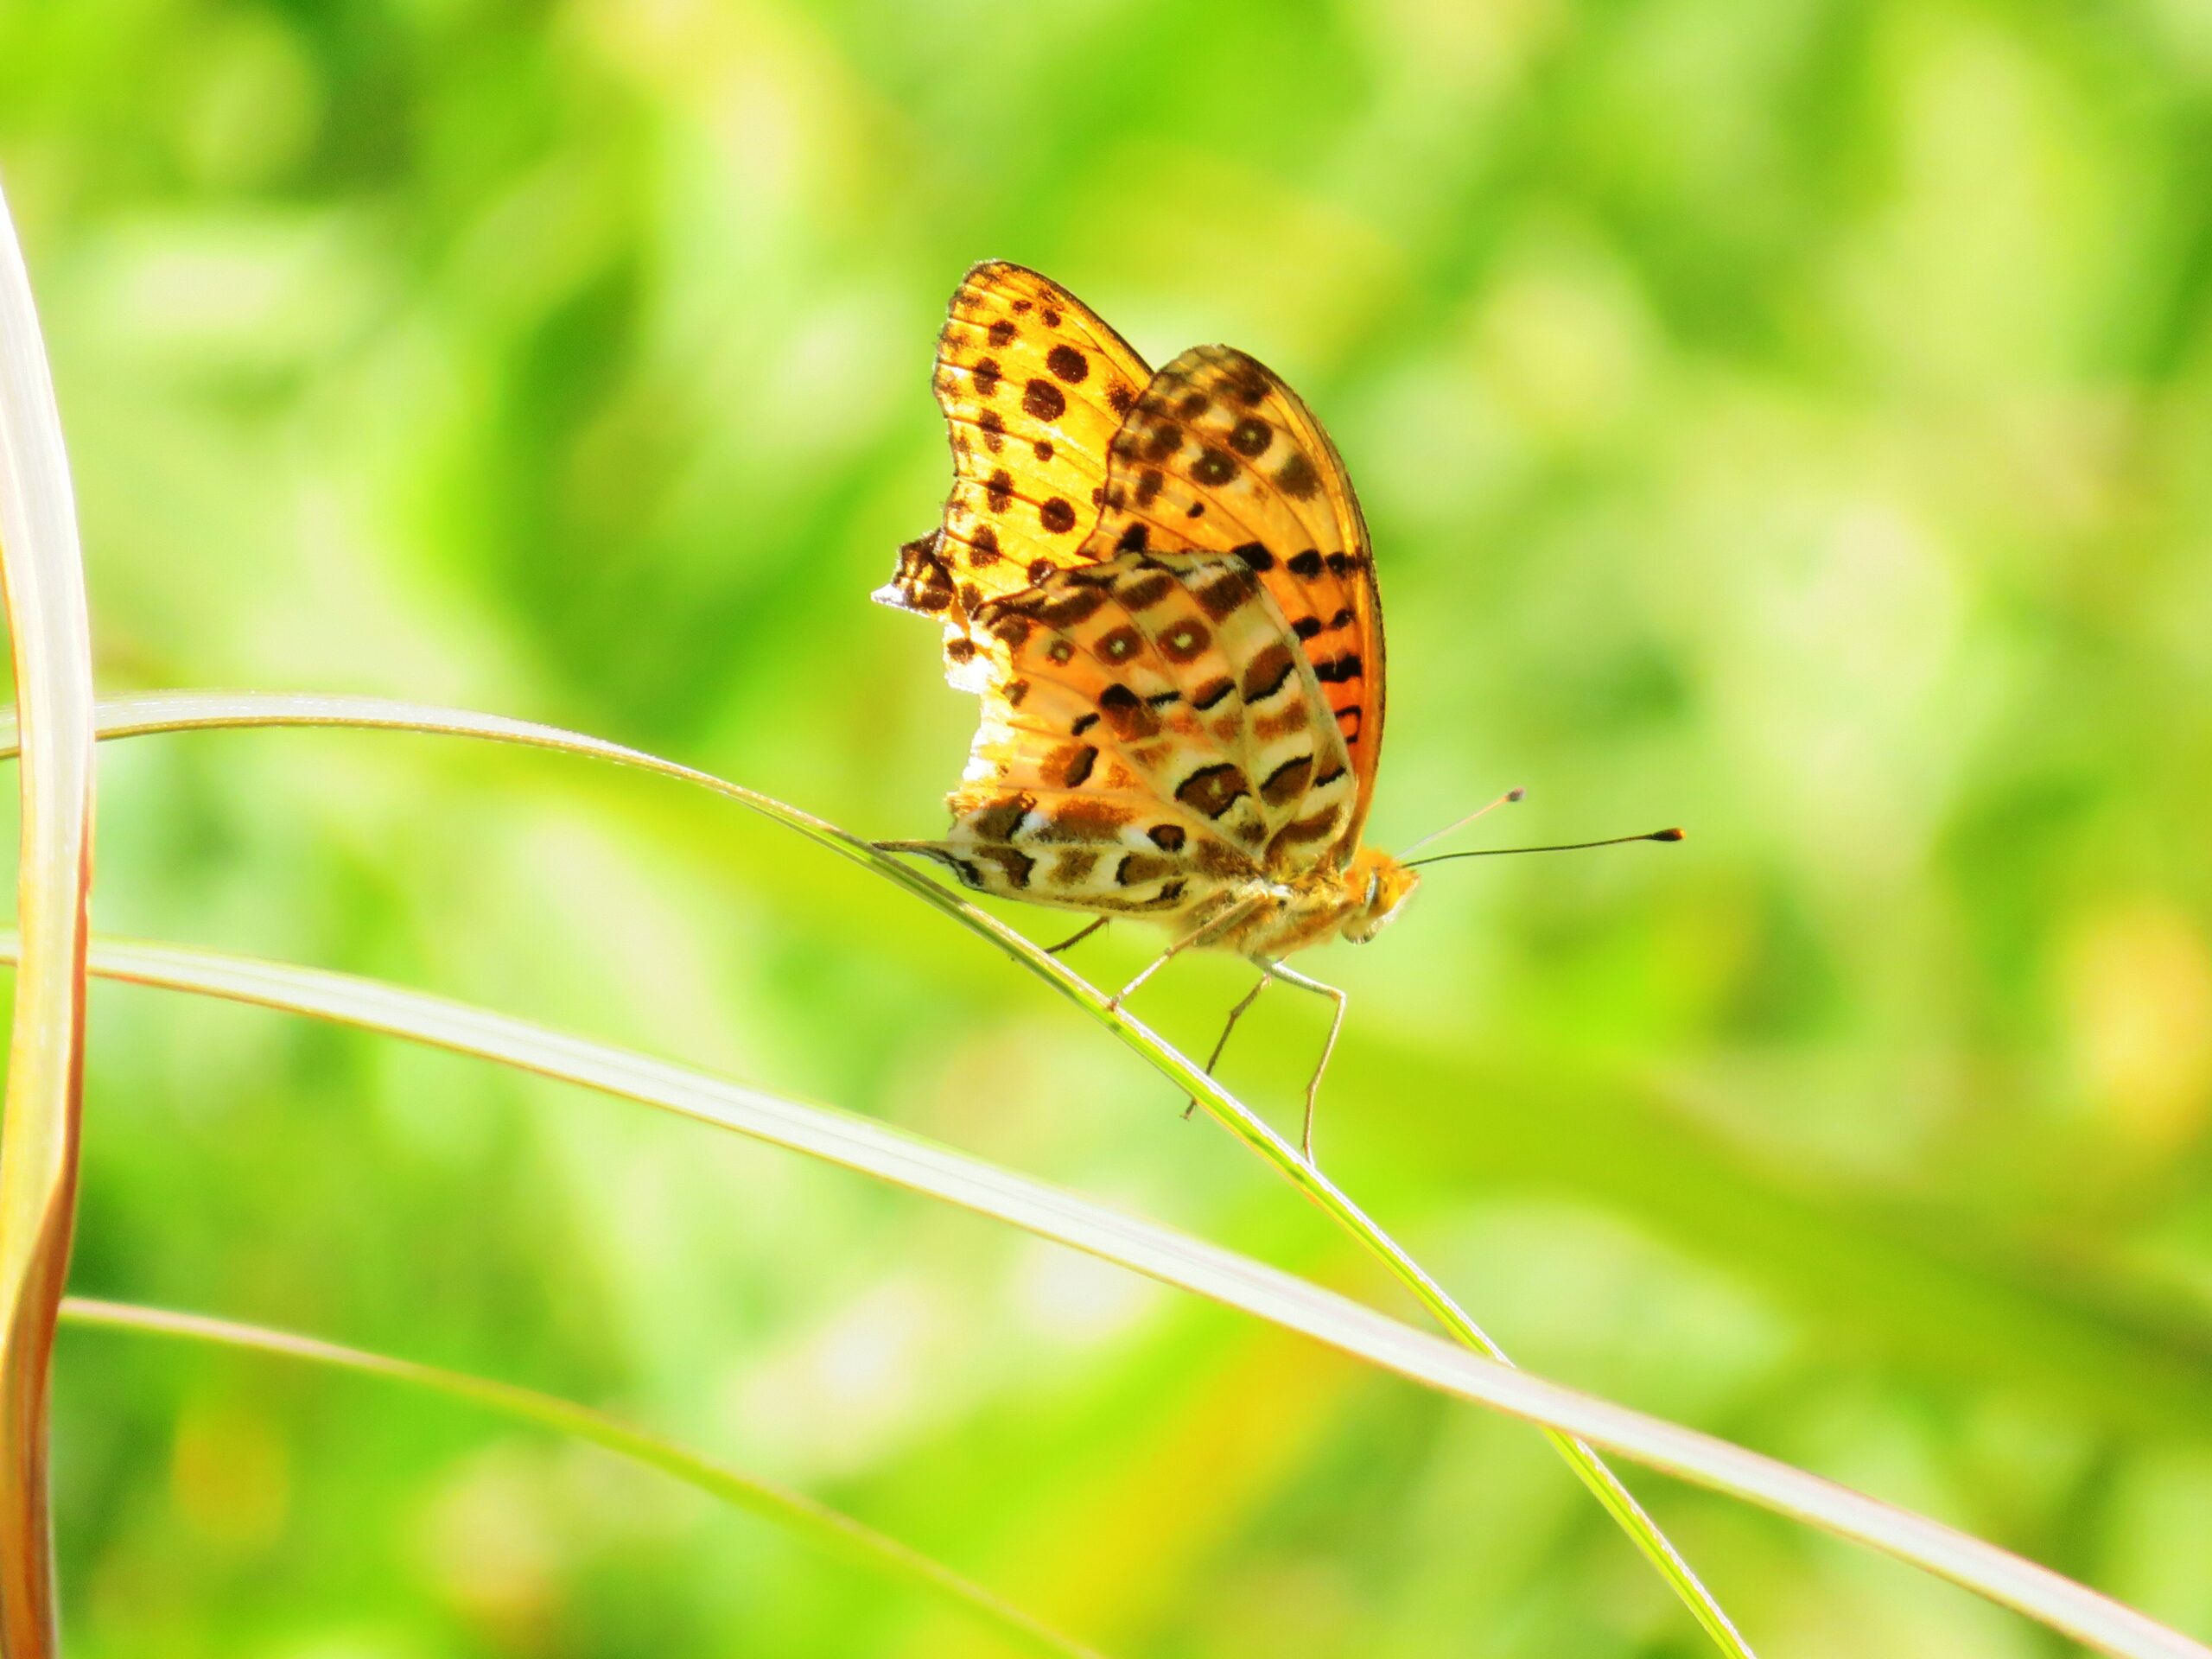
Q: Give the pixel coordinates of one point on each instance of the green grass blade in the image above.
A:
(1163, 1253)
(51, 644)
(794, 1511)
(175, 711)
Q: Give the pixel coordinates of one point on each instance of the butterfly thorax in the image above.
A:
(1277, 919)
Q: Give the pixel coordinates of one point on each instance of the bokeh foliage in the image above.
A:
(1789, 420)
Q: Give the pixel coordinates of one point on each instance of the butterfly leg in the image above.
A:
(1113, 1002)
(1313, 1088)
(1222, 1042)
(1078, 937)
(1205, 931)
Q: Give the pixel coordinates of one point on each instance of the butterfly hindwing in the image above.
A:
(1153, 739)
(1033, 385)
(1220, 457)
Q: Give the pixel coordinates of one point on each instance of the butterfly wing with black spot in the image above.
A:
(1033, 385)
(1152, 740)
(1220, 457)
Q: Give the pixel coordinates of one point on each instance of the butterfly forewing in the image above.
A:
(1033, 385)
(1220, 457)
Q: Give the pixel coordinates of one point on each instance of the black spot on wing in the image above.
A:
(1213, 790)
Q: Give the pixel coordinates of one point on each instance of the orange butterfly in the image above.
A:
(1160, 587)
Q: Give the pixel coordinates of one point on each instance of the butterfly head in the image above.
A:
(1378, 885)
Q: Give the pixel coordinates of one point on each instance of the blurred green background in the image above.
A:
(1793, 420)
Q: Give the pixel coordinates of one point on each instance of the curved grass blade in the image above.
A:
(51, 642)
(1173, 1258)
(176, 711)
(793, 1511)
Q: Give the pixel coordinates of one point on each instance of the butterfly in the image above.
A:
(1162, 589)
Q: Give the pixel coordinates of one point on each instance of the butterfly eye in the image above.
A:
(1374, 889)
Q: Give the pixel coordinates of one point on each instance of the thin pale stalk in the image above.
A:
(1173, 1258)
(50, 643)
(175, 711)
(794, 1511)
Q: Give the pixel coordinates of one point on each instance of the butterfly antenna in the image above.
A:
(1562, 847)
(1509, 796)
